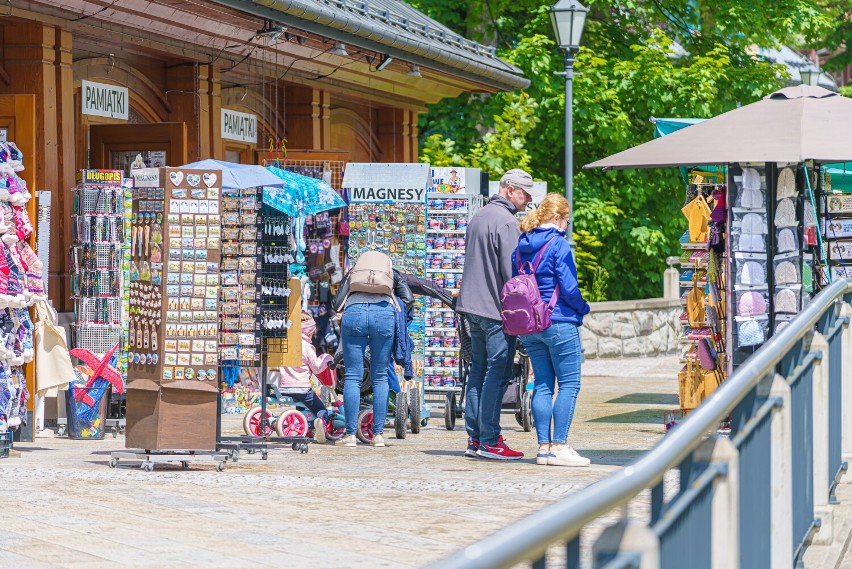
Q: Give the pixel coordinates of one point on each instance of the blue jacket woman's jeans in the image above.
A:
(362, 326)
(555, 355)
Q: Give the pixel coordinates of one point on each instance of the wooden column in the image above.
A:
(38, 61)
(397, 132)
(307, 115)
(194, 93)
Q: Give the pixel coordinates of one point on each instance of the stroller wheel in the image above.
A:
(365, 426)
(450, 411)
(292, 423)
(401, 416)
(414, 408)
(252, 423)
(526, 411)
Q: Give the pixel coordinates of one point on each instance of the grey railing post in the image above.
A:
(781, 501)
(822, 510)
(627, 536)
(725, 512)
(846, 394)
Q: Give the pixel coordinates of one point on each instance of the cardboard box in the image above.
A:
(287, 352)
(178, 415)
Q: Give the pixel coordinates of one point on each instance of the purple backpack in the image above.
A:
(524, 312)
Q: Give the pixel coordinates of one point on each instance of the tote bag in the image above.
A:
(52, 361)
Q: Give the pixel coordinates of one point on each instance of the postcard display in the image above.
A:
(176, 233)
(835, 212)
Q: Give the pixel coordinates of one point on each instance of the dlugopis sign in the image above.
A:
(239, 126)
(103, 100)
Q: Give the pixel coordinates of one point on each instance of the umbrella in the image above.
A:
(237, 176)
(300, 195)
(791, 125)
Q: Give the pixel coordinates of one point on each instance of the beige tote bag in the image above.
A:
(53, 367)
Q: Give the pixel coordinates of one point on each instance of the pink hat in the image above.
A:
(751, 303)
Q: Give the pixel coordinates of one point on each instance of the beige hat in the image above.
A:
(786, 184)
(518, 178)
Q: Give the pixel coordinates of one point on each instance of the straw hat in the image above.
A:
(786, 184)
(785, 215)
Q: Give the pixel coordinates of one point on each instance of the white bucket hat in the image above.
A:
(752, 274)
(786, 184)
(753, 223)
(751, 179)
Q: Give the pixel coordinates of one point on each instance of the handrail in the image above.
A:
(529, 538)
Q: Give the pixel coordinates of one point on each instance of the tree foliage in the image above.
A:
(640, 59)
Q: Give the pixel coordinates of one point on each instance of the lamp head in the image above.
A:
(568, 18)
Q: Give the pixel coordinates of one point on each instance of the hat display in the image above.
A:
(753, 223)
(786, 301)
(751, 303)
(785, 215)
(750, 243)
(751, 198)
(786, 241)
(785, 273)
(753, 274)
(786, 184)
(810, 220)
(751, 179)
(750, 333)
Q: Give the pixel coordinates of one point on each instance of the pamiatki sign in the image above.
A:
(238, 126)
(103, 100)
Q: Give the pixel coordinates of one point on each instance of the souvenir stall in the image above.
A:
(450, 204)
(753, 254)
(387, 213)
(21, 286)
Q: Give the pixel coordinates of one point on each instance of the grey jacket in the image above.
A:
(492, 236)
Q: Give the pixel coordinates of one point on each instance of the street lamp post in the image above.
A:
(568, 18)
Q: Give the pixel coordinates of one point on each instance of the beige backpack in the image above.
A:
(373, 273)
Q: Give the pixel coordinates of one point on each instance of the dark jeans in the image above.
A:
(310, 399)
(493, 354)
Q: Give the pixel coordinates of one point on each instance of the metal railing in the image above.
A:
(753, 499)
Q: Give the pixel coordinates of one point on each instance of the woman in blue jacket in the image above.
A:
(555, 353)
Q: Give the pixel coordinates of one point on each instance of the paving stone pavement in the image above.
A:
(403, 506)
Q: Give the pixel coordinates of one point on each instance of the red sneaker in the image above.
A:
(500, 451)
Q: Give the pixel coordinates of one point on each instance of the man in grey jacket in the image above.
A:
(492, 235)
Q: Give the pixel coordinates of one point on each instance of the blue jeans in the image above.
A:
(490, 372)
(363, 326)
(555, 355)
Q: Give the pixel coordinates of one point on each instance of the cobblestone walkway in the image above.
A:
(402, 506)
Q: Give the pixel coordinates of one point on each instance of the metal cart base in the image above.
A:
(184, 457)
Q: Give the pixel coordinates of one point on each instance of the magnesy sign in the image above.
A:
(239, 126)
(387, 182)
(146, 178)
(102, 100)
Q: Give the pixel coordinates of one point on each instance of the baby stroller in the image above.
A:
(518, 397)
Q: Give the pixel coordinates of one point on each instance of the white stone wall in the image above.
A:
(632, 328)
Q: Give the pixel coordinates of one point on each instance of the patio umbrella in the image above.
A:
(237, 176)
(791, 125)
(300, 195)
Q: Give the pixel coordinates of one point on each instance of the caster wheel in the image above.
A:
(304, 448)
(148, 466)
(401, 417)
(424, 422)
(234, 454)
(122, 431)
(251, 451)
(264, 455)
(414, 409)
(61, 430)
(113, 462)
(115, 434)
(294, 446)
(450, 411)
(220, 466)
(184, 464)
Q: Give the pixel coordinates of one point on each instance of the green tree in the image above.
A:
(629, 70)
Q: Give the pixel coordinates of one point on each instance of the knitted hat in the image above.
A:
(785, 215)
(752, 274)
(786, 184)
(787, 241)
(753, 223)
(23, 227)
(751, 198)
(751, 303)
(750, 333)
(751, 179)
(750, 243)
(810, 220)
(786, 301)
(786, 273)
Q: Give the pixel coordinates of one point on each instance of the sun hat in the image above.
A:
(750, 333)
(751, 179)
(750, 243)
(752, 274)
(786, 301)
(751, 303)
(753, 223)
(785, 273)
(785, 215)
(786, 184)
(786, 241)
(518, 178)
(751, 198)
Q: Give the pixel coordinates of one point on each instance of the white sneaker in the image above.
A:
(567, 457)
(319, 430)
(347, 441)
(378, 441)
(543, 457)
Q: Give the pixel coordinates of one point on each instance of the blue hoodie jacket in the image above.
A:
(557, 266)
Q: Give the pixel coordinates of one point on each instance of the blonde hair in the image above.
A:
(552, 205)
